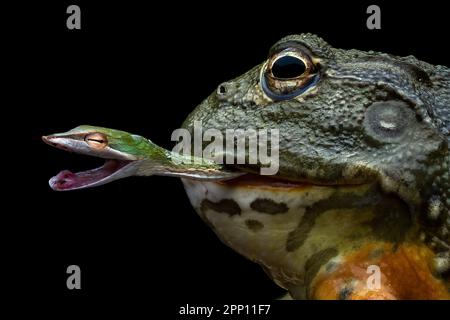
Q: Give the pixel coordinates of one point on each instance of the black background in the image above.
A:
(143, 69)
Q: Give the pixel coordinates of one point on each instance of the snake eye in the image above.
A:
(96, 140)
(287, 74)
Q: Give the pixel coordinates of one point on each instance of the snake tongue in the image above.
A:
(111, 170)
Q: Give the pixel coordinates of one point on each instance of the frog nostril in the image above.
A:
(222, 89)
(227, 91)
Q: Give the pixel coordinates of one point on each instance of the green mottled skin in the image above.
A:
(323, 138)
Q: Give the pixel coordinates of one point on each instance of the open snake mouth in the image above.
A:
(111, 170)
(67, 180)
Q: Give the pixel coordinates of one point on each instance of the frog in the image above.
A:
(359, 207)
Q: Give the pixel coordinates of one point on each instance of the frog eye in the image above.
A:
(387, 121)
(287, 74)
(96, 140)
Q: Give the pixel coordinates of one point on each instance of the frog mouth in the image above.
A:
(252, 179)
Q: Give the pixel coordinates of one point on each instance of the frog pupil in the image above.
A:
(288, 67)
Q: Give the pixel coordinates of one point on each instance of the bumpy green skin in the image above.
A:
(324, 135)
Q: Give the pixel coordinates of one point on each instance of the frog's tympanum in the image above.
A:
(360, 205)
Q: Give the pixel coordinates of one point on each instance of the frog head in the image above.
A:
(344, 116)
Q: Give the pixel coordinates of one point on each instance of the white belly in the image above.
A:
(256, 220)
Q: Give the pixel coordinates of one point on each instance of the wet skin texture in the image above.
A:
(348, 117)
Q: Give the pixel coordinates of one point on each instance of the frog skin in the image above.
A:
(363, 183)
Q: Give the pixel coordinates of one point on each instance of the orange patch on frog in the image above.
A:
(406, 273)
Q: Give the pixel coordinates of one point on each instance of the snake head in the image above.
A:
(121, 150)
